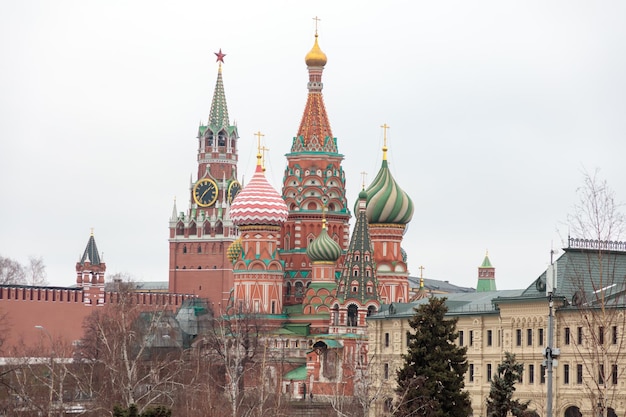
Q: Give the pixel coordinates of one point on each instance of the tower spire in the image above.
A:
(486, 275)
(314, 133)
(218, 117)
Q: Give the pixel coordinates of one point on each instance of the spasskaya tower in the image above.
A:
(199, 238)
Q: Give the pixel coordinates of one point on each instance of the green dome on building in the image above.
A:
(323, 248)
(386, 202)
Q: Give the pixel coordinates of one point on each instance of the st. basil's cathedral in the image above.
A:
(289, 257)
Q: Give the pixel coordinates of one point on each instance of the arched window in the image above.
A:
(184, 249)
(299, 289)
(336, 315)
(288, 291)
(573, 411)
(371, 310)
(353, 315)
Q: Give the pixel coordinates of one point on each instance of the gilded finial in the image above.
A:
(258, 147)
(316, 57)
(385, 127)
(324, 209)
(421, 268)
(363, 176)
(91, 233)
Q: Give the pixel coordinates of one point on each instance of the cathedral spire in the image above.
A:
(314, 133)
(358, 279)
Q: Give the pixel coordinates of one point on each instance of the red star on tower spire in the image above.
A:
(220, 56)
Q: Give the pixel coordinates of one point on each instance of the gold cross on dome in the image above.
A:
(363, 176)
(421, 268)
(263, 149)
(317, 19)
(385, 128)
(258, 146)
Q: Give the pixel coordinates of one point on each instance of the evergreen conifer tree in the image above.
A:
(431, 381)
(500, 401)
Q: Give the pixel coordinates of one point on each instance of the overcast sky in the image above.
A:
(495, 109)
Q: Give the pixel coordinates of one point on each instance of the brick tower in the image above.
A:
(313, 179)
(90, 271)
(200, 237)
(486, 276)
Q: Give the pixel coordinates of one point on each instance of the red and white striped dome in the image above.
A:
(258, 203)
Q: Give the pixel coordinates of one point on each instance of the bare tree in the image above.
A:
(359, 369)
(129, 354)
(38, 378)
(593, 275)
(35, 272)
(234, 344)
(11, 271)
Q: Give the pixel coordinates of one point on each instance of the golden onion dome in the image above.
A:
(234, 250)
(316, 57)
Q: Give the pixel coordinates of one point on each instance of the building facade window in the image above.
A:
(471, 372)
(601, 335)
(471, 338)
(566, 374)
(386, 339)
(488, 372)
(489, 337)
(540, 337)
(518, 337)
(386, 371)
(579, 374)
(529, 337)
(601, 374)
(566, 336)
(460, 337)
(614, 374)
(614, 335)
(542, 377)
(531, 374)
(580, 336)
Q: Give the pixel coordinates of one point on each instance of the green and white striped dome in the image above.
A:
(386, 202)
(323, 248)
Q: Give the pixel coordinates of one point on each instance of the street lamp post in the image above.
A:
(51, 395)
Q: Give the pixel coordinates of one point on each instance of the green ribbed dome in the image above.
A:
(323, 248)
(386, 202)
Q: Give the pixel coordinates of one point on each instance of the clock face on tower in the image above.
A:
(205, 192)
(233, 190)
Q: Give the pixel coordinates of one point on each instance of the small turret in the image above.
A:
(486, 276)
